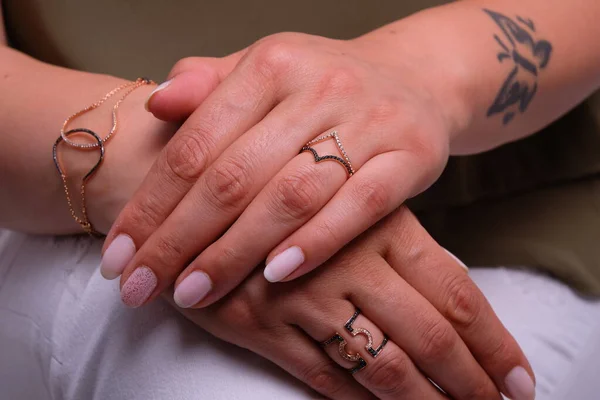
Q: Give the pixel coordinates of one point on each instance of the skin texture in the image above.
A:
(403, 98)
(31, 184)
(453, 316)
(377, 274)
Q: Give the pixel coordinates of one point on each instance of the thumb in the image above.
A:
(189, 83)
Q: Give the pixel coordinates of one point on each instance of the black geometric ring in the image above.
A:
(360, 362)
(344, 160)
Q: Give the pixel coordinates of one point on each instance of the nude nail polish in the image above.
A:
(139, 287)
(192, 289)
(284, 264)
(158, 89)
(519, 384)
(117, 256)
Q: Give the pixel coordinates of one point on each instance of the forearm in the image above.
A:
(474, 63)
(35, 98)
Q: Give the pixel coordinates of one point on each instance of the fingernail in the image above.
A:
(192, 289)
(158, 89)
(138, 287)
(520, 385)
(284, 264)
(462, 264)
(117, 256)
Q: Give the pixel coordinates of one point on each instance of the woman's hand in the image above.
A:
(407, 287)
(234, 165)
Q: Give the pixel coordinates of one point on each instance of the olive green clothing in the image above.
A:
(534, 202)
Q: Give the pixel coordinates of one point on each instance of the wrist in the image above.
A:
(432, 59)
(128, 157)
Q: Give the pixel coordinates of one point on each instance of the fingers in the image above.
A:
(389, 375)
(219, 196)
(301, 357)
(176, 99)
(231, 110)
(284, 345)
(368, 196)
(289, 200)
(189, 83)
(439, 279)
(423, 333)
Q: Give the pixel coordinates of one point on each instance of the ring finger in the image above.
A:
(358, 345)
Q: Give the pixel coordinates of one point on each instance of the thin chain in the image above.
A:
(131, 85)
(84, 220)
(335, 136)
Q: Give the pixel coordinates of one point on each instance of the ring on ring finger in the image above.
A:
(354, 331)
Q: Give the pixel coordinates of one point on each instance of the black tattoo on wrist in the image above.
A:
(528, 57)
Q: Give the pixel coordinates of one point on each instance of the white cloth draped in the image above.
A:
(65, 335)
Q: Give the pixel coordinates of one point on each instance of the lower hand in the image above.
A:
(440, 327)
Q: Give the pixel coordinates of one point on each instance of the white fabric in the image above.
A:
(65, 335)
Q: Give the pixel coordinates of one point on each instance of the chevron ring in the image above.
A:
(360, 361)
(344, 160)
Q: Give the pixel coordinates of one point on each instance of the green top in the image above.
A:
(534, 202)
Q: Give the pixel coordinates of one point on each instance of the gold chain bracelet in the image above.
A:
(99, 144)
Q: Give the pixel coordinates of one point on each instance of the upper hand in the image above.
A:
(230, 189)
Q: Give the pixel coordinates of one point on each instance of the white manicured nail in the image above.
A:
(158, 89)
(519, 384)
(284, 264)
(192, 289)
(117, 256)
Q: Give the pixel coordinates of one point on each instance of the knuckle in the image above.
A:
(228, 183)
(374, 198)
(394, 227)
(275, 54)
(187, 156)
(240, 312)
(340, 81)
(431, 152)
(502, 353)
(296, 196)
(463, 301)
(169, 248)
(146, 213)
(438, 339)
(324, 378)
(327, 230)
(390, 375)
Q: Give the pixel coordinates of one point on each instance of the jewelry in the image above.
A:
(99, 143)
(344, 161)
(131, 85)
(361, 362)
(84, 221)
